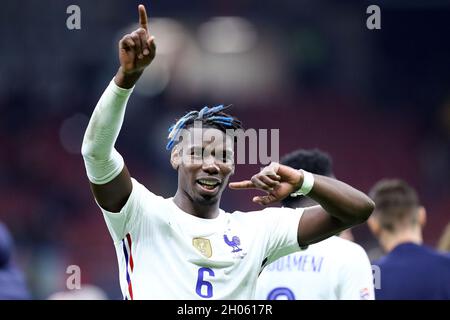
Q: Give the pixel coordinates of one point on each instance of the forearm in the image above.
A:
(102, 161)
(341, 201)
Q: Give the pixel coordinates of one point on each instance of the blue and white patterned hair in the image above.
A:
(212, 116)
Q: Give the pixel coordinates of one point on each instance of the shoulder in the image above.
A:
(440, 257)
(142, 193)
(349, 246)
(346, 251)
(143, 203)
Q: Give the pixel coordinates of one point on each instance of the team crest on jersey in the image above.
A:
(203, 245)
(234, 243)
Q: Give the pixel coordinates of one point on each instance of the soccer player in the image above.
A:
(12, 281)
(444, 240)
(410, 270)
(186, 247)
(333, 269)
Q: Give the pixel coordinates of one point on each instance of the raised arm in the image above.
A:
(109, 177)
(340, 205)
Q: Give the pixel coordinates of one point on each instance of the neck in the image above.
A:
(200, 210)
(390, 240)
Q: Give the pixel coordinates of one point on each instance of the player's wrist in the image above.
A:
(298, 180)
(127, 79)
(305, 183)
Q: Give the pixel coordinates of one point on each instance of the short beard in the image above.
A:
(207, 200)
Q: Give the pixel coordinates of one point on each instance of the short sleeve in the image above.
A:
(121, 223)
(282, 231)
(356, 278)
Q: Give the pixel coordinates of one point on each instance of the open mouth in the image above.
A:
(208, 184)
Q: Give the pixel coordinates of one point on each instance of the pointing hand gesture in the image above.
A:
(277, 180)
(137, 49)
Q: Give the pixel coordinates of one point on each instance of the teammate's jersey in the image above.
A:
(12, 281)
(414, 272)
(166, 253)
(332, 269)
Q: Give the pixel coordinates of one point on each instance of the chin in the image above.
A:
(207, 199)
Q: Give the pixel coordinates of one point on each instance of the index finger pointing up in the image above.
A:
(142, 17)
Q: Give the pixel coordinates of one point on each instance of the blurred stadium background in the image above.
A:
(377, 101)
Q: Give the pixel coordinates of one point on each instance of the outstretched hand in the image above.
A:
(277, 180)
(137, 49)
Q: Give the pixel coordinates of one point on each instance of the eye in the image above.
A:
(229, 156)
(196, 152)
(225, 156)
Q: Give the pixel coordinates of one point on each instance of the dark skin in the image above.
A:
(204, 159)
(340, 205)
(136, 51)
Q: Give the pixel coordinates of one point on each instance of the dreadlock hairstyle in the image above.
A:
(210, 117)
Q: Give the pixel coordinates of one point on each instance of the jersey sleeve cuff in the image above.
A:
(121, 92)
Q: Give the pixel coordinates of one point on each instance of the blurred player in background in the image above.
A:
(332, 269)
(410, 270)
(186, 247)
(12, 282)
(444, 241)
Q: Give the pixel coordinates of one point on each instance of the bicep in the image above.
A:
(112, 196)
(316, 225)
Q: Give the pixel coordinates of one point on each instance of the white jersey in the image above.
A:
(166, 253)
(333, 269)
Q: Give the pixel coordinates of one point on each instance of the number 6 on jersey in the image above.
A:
(202, 283)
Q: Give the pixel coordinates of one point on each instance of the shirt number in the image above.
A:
(203, 285)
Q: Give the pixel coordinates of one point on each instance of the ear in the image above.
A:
(422, 217)
(374, 225)
(175, 157)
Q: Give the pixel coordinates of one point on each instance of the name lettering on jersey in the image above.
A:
(204, 311)
(304, 263)
(234, 243)
(203, 245)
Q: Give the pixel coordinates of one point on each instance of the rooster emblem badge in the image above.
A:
(234, 243)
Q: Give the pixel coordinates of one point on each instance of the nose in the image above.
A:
(209, 165)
